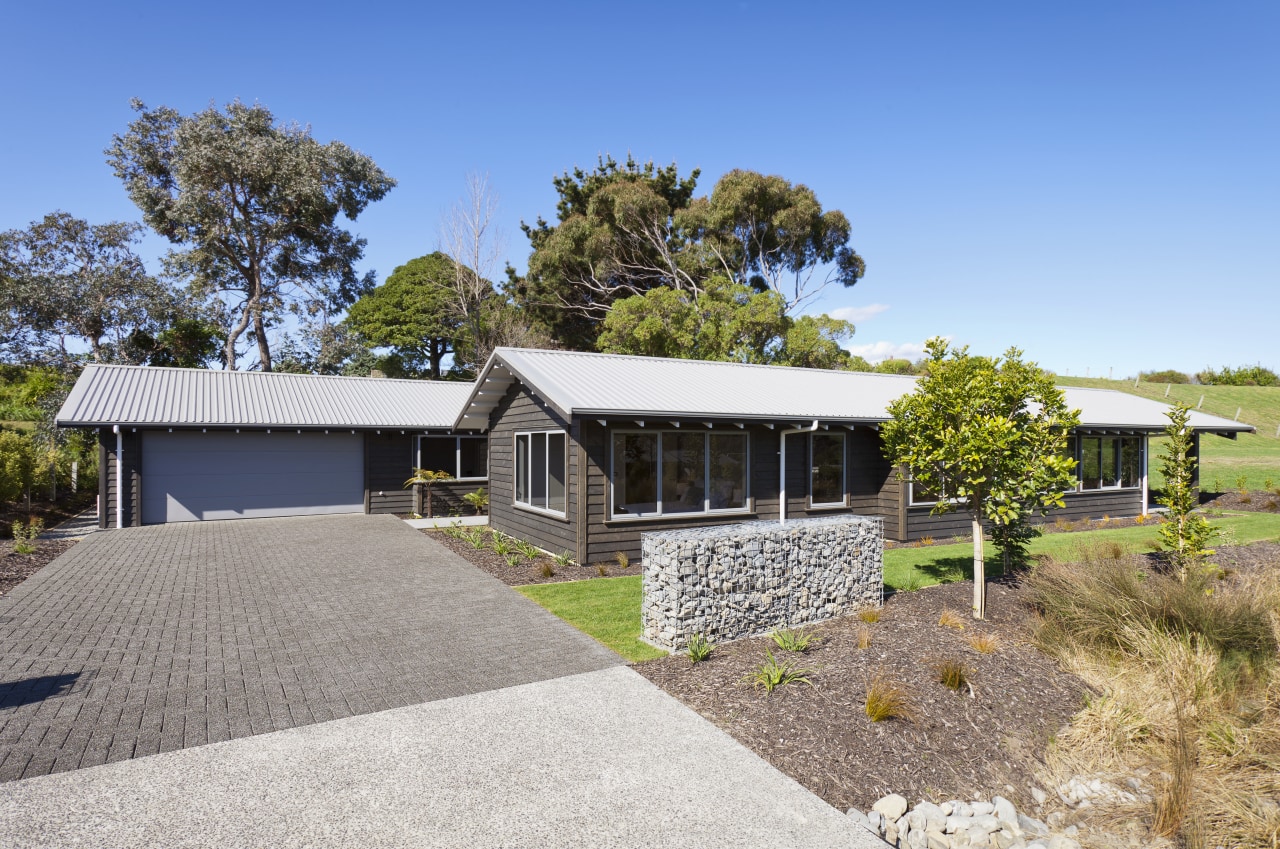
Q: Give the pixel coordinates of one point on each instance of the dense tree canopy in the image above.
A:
(625, 229)
(986, 436)
(254, 207)
(412, 312)
(64, 280)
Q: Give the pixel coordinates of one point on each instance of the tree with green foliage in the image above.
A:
(413, 313)
(66, 280)
(17, 465)
(626, 229)
(726, 321)
(988, 435)
(895, 366)
(254, 207)
(1184, 533)
(1255, 375)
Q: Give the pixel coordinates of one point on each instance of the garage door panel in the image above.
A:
(190, 476)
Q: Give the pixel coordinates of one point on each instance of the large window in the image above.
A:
(464, 457)
(826, 472)
(541, 471)
(669, 473)
(921, 494)
(1110, 462)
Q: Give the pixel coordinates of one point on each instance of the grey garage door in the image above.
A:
(189, 476)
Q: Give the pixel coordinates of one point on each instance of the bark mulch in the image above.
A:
(527, 572)
(50, 512)
(1259, 501)
(16, 568)
(957, 743)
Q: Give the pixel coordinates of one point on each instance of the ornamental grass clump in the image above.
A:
(887, 699)
(699, 648)
(791, 640)
(952, 673)
(771, 674)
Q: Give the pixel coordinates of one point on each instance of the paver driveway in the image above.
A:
(147, 640)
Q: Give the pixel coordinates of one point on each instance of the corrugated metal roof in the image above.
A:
(140, 395)
(615, 385)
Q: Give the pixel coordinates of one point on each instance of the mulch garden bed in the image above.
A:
(527, 572)
(49, 512)
(1260, 501)
(16, 568)
(956, 743)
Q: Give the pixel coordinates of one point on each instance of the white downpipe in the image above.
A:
(782, 471)
(1146, 468)
(119, 479)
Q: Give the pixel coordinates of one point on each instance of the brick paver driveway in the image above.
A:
(146, 640)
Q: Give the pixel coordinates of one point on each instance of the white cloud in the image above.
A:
(858, 314)
(879, 351)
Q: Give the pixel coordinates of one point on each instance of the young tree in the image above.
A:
(988, 435)
(414, 312)
(254, 207)
(66, 279)
(1183, 532)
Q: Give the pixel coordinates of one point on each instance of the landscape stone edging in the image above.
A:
(731, 581)
(957, 824)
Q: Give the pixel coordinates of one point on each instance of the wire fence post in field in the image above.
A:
(1167, 387)
(1201, 404)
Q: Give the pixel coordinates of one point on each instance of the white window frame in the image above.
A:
(523, 505)
(844, 473)
(1119, 484)
(457, 454)
(747, 507)
(912, 501)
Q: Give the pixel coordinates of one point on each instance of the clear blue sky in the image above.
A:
(1096, 183)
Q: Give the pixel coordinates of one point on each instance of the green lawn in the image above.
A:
(605, 608)
(1256, 457)
(911, 568)
(609, 608)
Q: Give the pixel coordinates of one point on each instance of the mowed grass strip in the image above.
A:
(607, 609)
(912, 568)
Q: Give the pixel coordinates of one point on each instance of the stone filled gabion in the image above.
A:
(742, 580)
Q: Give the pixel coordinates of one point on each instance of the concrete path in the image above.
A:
(601, 759)
(78, 526)
(446, 521)
(147, 640)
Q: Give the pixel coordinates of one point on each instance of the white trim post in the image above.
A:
(119, 477)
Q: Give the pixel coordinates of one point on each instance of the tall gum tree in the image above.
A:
(988, 436)
(253, 206)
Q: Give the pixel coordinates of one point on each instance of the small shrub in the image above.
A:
(502, 545)
(951, 619)
(792, 640)
(564, 559)
(1105, 518)
(887, 699)
(1217, 484)
(1165, 376)
(1268, 484)
(547, 570)
(24, 537)
(454, 531)
(512, 558)
(1246, 498)
(914, 583)
(1139, 520)
(700, 648)
(1242, 483)
(870, 615)
(623, 560)
(952, 673)
(528, 550)
(477, 538)
(984, 642)
(864, 637)
(925, 542)
(479, 500)
(771, 674)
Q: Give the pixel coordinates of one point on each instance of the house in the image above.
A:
(588, 451)
(179, 445)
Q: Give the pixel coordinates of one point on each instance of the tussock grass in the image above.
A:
(984, 642)
(887, 699)
(952, 673)
(870, 615)
(864, 637)
(1186, 686)
(951, 619)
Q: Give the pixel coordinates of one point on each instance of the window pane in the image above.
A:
(439, 454)
(728, 471)
(538, 471)
(1110, 462)
(921, 494)
(827, 479)
(522, 469)
(556, 472)
(684, 472)
(1131, 462)
(1090, 462)
(475, 457)
(635, 473)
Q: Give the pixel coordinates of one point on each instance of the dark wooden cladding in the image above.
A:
(521, 410)
(1079, 505)
(108, 486)
(389, 462)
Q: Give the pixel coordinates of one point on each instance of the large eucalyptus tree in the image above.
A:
(252, 206)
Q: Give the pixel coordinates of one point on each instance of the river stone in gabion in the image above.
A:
(733, 581)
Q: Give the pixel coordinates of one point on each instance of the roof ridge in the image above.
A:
(280, 374)
(769, 366)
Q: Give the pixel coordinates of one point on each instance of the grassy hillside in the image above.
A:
(1256, 457)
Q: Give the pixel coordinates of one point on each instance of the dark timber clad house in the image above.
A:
(588, 451)
(193, 444)
(581, 452)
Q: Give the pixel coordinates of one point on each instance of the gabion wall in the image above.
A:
(734, 581)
